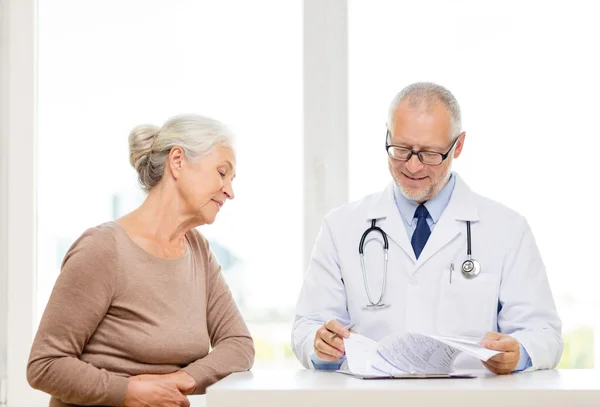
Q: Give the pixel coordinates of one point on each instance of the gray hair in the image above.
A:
(150, 145)
(426, 93)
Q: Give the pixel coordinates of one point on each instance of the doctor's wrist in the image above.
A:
(319, 364)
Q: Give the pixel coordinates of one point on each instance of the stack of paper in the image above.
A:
(409, 355)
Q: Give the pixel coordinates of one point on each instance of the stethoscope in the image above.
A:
(361, 247)
(469, 269)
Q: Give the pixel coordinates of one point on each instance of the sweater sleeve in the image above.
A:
(79, 301)
(232, 345)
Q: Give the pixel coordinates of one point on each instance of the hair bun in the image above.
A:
(141, 140)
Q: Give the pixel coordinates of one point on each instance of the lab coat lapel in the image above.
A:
(462, 207)
(388, 217)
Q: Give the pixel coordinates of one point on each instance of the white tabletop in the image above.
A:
(197, 401)
(307, 388)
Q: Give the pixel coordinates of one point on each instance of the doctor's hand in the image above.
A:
(328, 346)
(502, 363)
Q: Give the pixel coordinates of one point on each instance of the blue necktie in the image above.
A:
(422, 232)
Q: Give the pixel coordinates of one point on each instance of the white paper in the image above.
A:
(469, 346)
(397, 355)
(415, 353)
(382, 366)
(361, 353)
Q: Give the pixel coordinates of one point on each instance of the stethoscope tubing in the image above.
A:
(361, 247)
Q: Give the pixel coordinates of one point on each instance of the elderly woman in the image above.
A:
(140, 301)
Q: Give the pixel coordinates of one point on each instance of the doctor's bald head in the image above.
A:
(423, 137)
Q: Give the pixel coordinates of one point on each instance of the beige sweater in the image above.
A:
(117, 311)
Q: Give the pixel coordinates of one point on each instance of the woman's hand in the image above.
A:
(185, 383)
(147, 393)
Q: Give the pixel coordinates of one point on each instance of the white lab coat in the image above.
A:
(422, 298)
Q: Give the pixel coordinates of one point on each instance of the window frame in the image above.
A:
(17, 189)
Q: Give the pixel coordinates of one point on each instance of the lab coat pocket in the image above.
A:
(466, 307)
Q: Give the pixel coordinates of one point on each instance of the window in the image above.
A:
(119, 64)
(527, 82)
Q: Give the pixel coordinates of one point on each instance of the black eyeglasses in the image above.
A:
(426, 157)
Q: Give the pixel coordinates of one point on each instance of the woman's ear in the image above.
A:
(176, 157)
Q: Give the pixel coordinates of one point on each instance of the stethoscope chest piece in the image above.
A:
(470, 268)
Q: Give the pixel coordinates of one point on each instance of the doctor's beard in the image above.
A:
(427, 192)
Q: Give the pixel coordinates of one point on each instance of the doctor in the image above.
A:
(458, 264)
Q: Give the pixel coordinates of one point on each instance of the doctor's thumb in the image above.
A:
(492, 336)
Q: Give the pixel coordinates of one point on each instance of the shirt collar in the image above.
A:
(435, 206)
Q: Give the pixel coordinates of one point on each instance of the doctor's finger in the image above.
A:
(502, 363)
(492, 336)
(496, 370)
(335, 342)
(337, 328)
(506, 357)
(505, 345)
(325, 351)
(501, 366)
